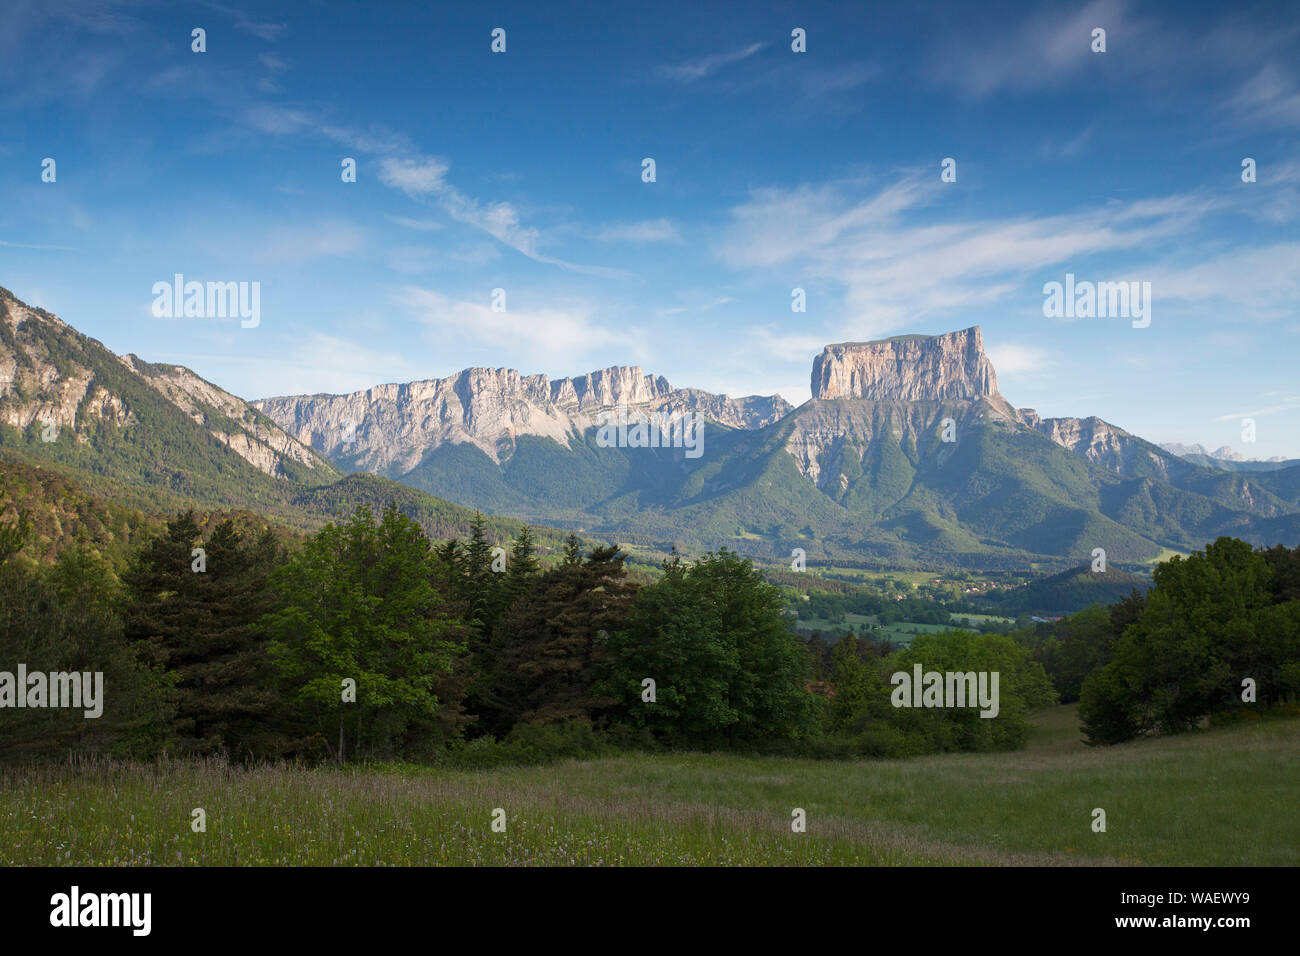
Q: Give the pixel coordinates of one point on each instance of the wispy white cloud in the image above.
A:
(700, 306)
(424, 178)
(274, 67)
(897, 266)
(560, 336)
(698, 68)
(1250, 52)
(29, 245)
(279, 120)
(1260, 282)
(421, 177)
(650, 230)
(262, 29)
(1070, 147)
(419, 225)
(1051, 46)
(1014, 358)
(1271, 97)
(1291, 404)
(415, 177)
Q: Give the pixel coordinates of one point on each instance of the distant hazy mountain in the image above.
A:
(1226, 459)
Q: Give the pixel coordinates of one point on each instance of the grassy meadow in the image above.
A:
(1219, 797)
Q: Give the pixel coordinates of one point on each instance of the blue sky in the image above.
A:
(775, 170)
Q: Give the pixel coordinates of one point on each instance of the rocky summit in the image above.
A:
(907, 368)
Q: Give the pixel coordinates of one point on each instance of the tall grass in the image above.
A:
(1220, 797)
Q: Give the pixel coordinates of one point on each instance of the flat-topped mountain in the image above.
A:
(862, 470)
(907, 368)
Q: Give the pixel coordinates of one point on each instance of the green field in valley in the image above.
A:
(900, 633)
(982, 618)
(1205, 798)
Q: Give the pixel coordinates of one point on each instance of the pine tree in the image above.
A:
(66, 618)
(196, 615)
(449, 571)
(549, 649)
(522, 567)
(163, 609)
(481, 585)
(572, 550)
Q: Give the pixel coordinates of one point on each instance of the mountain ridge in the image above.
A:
(908, 457)
(906, 448)
(54, 377)
(390, 428)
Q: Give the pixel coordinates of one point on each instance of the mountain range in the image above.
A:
(1226, 459)
(907, 455)
(93, 446)
(860, 473)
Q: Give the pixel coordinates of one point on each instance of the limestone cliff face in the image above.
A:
(1107, 445)
(906, 386)
(389, 429)
(40, 385)
(826, 434)
(899, 390)
(907, 368)
(902, 389)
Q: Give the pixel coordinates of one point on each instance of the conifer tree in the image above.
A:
(196, 615)
(550, 648)
(572, 550)
(480, 583)
(66, 619)
(449, 571)
(522, 567)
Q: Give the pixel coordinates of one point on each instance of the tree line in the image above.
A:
(1216, 637)
(370, 641)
